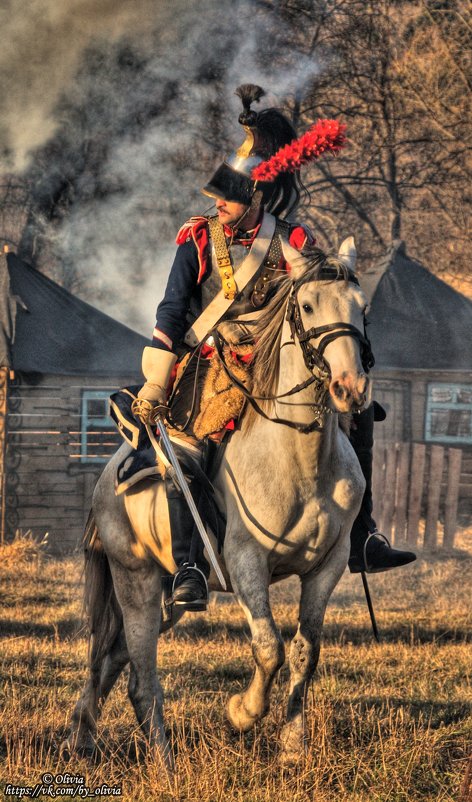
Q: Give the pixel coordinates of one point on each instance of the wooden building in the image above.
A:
(60, 359)
(421, 333)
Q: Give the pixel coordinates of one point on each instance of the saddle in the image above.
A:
(205, 404)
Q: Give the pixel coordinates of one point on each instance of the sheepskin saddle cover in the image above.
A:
(222, 402)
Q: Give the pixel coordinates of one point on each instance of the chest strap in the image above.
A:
(223, 259)
(247, 270)
(270, 268)
(270, 265)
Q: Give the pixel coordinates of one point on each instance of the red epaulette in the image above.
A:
(301, 236)
(196, 229)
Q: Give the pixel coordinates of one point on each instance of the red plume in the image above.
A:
(324, 136)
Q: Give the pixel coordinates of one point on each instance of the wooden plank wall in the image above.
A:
(414, 481)
(49, 488)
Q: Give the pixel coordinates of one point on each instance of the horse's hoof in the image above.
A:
(238, 716)
(161, 753)
(293, 747)
(289, 760)
(72, 747)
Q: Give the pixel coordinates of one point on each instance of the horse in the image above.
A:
(290, 487)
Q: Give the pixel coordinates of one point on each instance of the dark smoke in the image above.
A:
(116, 118)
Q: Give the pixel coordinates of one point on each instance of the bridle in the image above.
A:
(313, 356)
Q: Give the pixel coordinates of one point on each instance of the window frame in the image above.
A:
(432, 405)
(87, 421)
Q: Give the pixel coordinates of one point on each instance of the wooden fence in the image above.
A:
(411, 482)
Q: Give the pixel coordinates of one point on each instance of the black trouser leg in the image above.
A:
(370, 554)
(362, 440)
(187, 546)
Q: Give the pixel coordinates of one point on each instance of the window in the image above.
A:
(98, 438)
(449, 413)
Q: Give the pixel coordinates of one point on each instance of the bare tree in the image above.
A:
(398, 74)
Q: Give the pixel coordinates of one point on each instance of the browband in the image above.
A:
(329, 274)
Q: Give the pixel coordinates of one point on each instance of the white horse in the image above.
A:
(290, 486)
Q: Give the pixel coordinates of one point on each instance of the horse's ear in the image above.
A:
(297, 262)
(347, 253)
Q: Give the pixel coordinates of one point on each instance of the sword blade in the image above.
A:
(189, 499)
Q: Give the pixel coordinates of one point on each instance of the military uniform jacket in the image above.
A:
(194, 280)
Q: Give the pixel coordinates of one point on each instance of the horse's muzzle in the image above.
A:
(350, 391)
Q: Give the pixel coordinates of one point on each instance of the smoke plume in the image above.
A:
(117, 112)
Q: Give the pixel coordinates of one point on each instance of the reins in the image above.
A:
(304, 428)
(313, 356)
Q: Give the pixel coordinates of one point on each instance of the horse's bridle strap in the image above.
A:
(337, 330)
(314, 355)
(304, 428)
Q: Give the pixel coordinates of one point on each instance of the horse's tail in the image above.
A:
(101, 605)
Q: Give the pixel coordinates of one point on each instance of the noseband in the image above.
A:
(314, 355)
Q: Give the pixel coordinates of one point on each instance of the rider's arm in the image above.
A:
(159, 358)
(171, 323)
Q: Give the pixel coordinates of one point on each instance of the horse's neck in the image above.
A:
(313, 450)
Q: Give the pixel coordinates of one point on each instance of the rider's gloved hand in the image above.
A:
(157, 366)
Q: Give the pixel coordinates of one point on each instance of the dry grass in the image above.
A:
(387, 721)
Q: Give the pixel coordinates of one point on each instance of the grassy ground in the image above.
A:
(387, 721)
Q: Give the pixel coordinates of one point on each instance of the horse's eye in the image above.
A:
(307, 308)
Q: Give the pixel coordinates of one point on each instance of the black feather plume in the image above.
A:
(249, 93)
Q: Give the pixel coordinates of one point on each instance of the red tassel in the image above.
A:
(325, 136)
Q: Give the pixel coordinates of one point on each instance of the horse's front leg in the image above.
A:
(250, 579)
(317, 587)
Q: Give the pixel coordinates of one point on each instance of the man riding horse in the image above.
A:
(210, 253)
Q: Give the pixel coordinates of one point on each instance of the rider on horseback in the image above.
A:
(210, 253)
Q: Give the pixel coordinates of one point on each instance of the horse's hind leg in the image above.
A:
(305, 649)
(98, 687)
(250, 580)
(139, 594)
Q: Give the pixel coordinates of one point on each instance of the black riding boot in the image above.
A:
(370, 551)
(190, 588)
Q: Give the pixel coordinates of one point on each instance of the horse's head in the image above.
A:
(326, 314)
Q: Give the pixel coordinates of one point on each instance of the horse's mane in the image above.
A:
(268, 330)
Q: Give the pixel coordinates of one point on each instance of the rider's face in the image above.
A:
(229, 212)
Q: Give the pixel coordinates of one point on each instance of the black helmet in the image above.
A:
(266, 132)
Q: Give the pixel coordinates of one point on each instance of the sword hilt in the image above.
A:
(147, 412)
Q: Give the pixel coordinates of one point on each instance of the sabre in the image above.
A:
(182, 482)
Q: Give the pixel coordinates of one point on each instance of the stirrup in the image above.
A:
(199, 605)
(369, 536)
(387, 559)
